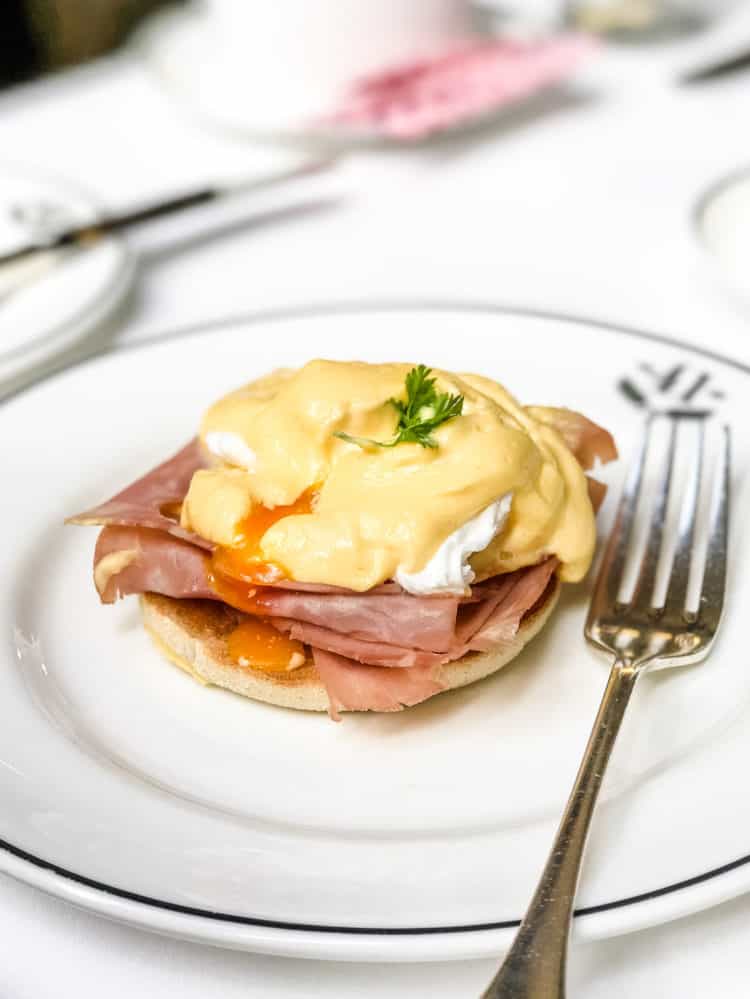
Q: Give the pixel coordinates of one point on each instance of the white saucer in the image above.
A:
(722, 225)
(56, 305)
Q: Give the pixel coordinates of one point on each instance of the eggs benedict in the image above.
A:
(351, 536)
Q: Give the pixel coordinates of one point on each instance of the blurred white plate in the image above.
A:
(722, 224)
(130, 789)
(56, 305)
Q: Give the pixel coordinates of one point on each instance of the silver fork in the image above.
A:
(641, 631)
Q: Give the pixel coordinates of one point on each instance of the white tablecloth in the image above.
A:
(583, 206)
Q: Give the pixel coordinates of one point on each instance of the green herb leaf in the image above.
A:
(423, 410)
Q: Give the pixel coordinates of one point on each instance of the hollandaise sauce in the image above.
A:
(378, 511)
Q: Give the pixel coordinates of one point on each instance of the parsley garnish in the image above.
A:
(424, 410)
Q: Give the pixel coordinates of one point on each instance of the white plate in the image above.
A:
(722, 225)
(63, 303)
(131, 790)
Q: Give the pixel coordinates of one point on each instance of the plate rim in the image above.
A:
(21, 360)
(710, 193)
(28, 867)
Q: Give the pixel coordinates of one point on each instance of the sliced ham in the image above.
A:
(586, 439)
(402, 631)
(371, 653)
(492, 592)
(503, 623)
(141, 560)
(372, 688)
(130, 560)
(597, 492)
(491, 623)
(425, 623)
(292, 584)
(143, 503)
(354, 685)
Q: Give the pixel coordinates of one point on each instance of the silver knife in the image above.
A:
(91, 232)
(722, 67)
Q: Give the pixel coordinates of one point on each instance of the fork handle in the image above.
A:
(535, 965)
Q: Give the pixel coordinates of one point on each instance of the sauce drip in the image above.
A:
(257, 644)
(244, 561)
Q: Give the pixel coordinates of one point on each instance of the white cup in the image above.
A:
(307, 51)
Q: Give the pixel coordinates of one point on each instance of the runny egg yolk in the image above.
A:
(234, 574)
(244, 561)
(256, 643)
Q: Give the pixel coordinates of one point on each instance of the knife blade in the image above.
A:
(91, 232)
(723, 67)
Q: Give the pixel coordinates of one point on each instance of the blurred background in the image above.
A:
(506, 124)
(582, 157)
(39, 35)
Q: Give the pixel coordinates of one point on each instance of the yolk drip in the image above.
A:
(237, 594)
(244, 561)
(235, 574)
(258, 644)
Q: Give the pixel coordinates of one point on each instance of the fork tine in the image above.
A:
(643, 594)
(675, 601)
(607, 586)
(714, 575)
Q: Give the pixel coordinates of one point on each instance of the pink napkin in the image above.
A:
(470, 80)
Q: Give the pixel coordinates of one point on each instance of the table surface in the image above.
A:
(581, 205)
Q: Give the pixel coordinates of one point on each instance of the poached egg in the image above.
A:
(501, 490)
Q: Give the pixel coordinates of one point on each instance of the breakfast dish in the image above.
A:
(132, 791)
(352, 537)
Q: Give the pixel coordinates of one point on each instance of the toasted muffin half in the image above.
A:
(193, 635)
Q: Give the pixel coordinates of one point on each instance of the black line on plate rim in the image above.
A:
(355, 307)
(392, 931)
(343, 308)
